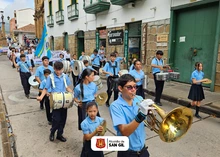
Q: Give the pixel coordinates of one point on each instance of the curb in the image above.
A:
(204, 108)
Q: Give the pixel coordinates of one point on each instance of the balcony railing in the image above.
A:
(59, 17)
(121, 2)
(96, 6)
(72, 11)
(50, 22)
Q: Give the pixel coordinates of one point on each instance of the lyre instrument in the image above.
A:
(173, 125)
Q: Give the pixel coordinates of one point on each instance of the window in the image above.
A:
(60, 5)
(50, 8)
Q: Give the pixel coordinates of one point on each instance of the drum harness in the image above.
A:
(113, 78)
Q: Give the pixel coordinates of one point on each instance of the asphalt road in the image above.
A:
(32, 131)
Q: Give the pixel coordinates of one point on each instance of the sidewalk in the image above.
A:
(178, 92)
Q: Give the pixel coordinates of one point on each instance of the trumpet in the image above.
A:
(172, 125)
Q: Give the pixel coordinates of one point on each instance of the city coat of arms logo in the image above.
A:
(100, 143)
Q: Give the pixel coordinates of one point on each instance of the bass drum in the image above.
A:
(61, 100)
(66, 66)
(78, 67)
(98, 81)
(87, 58)
(123, 71)
(32, 81)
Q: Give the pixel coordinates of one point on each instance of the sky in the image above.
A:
(8, 6)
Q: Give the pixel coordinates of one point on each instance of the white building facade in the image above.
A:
(137, 29)
(24, 17)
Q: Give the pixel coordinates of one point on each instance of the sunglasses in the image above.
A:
(131, 87)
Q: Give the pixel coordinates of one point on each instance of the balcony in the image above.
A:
(73, 12)
(121, 2)
(59, 17)
(96, 6)
(50, 22)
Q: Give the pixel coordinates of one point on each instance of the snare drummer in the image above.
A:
(138, 74)
(119, 59)
(46, 98)
(157, 65)
(111, 69)
(85, 92)
(59, 115)
(95, 58)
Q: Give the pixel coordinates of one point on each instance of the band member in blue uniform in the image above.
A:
(46, 98)
(91, 127)
(61, 84)
(138, 74)
(111, 69)
(72, 62)
(95, 58)
(25, 70)
(128, 120)
(39, 75)
(119, 59)
(196, 93)
(85, 92)
(157, 65)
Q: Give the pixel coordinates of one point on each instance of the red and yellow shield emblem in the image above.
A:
(100, 143)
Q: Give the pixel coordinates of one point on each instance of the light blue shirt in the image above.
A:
(80, 58)
(109, 68)
(131, 67)
(59, 83)
(156, 62)
(24, 66)
(137, 75)
(88, 126)
(122, 113)
(40, 71)
(96, 60)
(43, 84)
(19, 59)
(198, 75)
(89, 92)
(118, 59)
(61, 59)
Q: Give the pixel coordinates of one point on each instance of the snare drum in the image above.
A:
(162, 76)
(98, 81)
(174, 75)
(78, 67)
(87, 58)
(61, 100)
(66, 66)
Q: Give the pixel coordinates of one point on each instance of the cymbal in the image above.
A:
(207, 82)
(103, 124)
(101, 98)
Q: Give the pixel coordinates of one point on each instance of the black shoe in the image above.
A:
(158, 104)
(51, 137)
(49, 123)
(189, 105)
(198, 116)
(61, 138)
(107, 104)
(27, 95)
(41, 107)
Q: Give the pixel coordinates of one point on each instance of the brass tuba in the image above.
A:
(173, 125)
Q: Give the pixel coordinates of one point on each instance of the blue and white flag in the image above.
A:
(43, 48)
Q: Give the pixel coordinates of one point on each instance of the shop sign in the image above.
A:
(115, 37)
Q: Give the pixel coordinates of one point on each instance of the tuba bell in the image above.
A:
(173, 125)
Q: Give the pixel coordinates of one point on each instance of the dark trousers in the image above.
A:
(88, 152)
(140, 91)
(158, 90)
(143, 153)
(42, 101)
(47, 106)
(102, 63)
(58, 121)
(75, 79)
(24, 81)
(32, 63)
(111, 86)
(82, 114)
(97, 70)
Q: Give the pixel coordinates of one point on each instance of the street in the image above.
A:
(31, 130)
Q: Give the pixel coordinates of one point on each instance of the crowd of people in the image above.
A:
(128, 110)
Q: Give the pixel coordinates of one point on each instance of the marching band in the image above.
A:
(128, 111)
